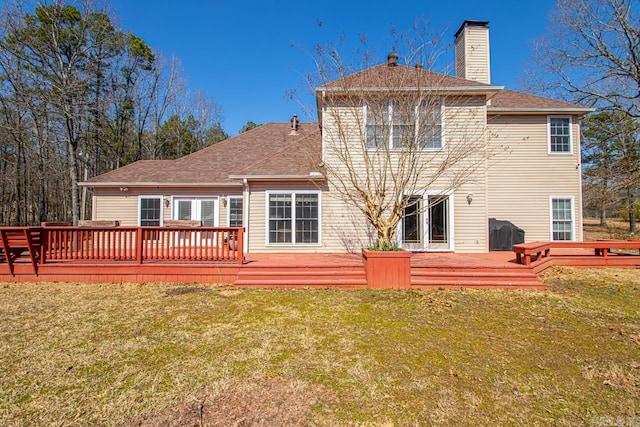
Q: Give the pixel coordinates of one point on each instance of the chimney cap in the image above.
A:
(470, 23)
(392, 59)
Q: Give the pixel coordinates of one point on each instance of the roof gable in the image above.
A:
(392, 77)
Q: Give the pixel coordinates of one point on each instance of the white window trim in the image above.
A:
(229, 209)
(216, 205)
(293, 218)
(161, 198)
(389, 142)
(425, 198)
(560, 153)
(573, 218)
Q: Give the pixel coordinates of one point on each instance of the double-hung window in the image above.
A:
(403, 121)
(377, 124)
(293, 218)
(430, 125)
(562, 218)
(401, 125)
(235, 211)
(150, 211)
(559, 129)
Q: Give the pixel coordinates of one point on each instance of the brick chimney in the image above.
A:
(472, 51)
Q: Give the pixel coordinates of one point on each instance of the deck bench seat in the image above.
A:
(600, 247)
(525, 251)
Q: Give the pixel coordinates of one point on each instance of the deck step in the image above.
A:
(319, 282)
(419, 272)
(290, 276)
(502, 284)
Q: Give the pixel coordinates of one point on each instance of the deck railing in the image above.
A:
(141, 244)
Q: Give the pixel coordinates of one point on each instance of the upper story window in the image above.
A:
(377, 124)
(397, 125)
(559, 130)
(430, 125)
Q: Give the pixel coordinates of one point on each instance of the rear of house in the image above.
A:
(272, 180)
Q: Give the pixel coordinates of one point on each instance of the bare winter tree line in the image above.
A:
(79, 97)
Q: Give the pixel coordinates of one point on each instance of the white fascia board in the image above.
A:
(318, 177)
(577, 110)
(159, 184)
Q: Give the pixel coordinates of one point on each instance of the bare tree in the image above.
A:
(591, 55)
(60, 46)
(383, 139)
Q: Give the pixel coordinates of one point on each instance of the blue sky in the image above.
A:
(248, 55)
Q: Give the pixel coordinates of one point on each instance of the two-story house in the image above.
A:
(518, 159)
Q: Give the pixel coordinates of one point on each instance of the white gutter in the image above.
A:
(159, 184)
(311, 177)
(521, 110)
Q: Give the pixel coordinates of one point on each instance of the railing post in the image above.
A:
(240, 246)
(139, 245)
(44, 244)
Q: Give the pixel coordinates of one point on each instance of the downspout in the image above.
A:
(245, 214)
(577, 208)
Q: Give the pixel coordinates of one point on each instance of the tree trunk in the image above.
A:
(603, 217)
(72, 146)
(632, 214)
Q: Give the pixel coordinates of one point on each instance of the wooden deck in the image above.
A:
(428, 270)
(215, 255)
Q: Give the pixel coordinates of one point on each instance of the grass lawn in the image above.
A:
(82, 354)
(615, 229)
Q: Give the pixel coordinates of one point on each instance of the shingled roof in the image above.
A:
(511, 100)
(268, 151)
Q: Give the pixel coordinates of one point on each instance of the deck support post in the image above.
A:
(240, 246)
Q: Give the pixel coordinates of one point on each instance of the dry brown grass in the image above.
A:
(157, 354)
(615, 229)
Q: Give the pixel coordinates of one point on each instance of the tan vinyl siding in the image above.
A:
(115, 205)
(110, 207)
(464, 124)
(460, 57)
(472, 54)
(331, 220)
(524, 175)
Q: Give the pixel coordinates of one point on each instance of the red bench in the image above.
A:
(525, 251)
(600, 247)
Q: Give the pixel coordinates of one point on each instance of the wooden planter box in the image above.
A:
(390, 269)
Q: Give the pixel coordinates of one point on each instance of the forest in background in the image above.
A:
(80, 97)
